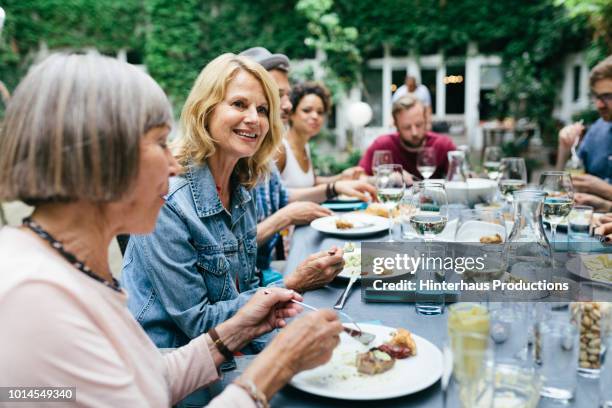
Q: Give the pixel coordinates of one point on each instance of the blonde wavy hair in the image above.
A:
(196, 144)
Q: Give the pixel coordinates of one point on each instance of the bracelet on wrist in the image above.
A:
(258, 397)
(328, 191)
(221, 347)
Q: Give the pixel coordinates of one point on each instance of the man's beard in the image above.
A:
(413, 147)
(606, 114)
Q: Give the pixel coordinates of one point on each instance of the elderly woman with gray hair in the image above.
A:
(84, 142)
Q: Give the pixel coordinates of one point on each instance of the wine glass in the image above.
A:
(491, 161)
(426, 162)
(558, 203)
(390, 190)
(430, 203)
(381, 157)
(513, 176)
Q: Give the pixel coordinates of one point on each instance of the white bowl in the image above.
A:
(474, 191)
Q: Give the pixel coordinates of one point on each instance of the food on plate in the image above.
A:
(403, 338)
(395, 351)
(341, 223)
(349, 247)
(491, 239)
(382, 358)
(377, 209)
(374, 361)
(600, 266)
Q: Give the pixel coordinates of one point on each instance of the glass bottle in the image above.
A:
(528, 252)
(456, 166)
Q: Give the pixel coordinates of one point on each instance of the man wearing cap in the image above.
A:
(277, 207)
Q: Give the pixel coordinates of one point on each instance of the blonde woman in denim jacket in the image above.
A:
(198, 267)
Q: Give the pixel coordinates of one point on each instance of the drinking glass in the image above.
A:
(381, 157)
(406, 210)
(557, 345)
(426, 162)
(390, 189)
(429, 300)
(516, 386)
(558, 203)
(579, 223)
(605, 377)
(466, 318)
(491, 161)
(508, 331)
(474, 369)
(430, 204)
(512, 177)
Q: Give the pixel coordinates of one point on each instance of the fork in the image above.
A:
(359, 335)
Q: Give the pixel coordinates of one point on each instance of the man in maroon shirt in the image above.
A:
(411, 137)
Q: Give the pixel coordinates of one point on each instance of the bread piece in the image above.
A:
(491, 239)
(377, 209)
(343, 224)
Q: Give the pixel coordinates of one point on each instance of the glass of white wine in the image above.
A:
(430, 205)
(512, 177)
(491, 161)
(560, 199)
(390, 190)
(426, 162)
(381, 157)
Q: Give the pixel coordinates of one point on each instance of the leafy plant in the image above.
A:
(343, 58)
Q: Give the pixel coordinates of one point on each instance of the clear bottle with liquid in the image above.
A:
(528, 252)
(456, 166)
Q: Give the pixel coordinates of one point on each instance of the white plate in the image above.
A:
(590, 267)
(339, 377)
(365, 224)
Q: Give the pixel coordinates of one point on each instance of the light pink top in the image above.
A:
(60, 327)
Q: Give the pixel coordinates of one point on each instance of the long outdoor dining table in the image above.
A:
(307, 241)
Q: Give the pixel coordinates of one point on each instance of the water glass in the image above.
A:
(508, 332)
(466, 318)
(516, 386)
(381, 157)
(474, 369)
(430, 301)
(605, 376)
(406, 210)
(579, 223)
(557, 345)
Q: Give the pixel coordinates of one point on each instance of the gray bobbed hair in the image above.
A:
(72, 129)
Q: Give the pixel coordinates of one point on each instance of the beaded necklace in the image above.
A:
(74, 261)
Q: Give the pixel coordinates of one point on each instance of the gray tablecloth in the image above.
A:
(432, 328)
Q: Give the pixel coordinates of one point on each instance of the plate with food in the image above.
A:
(395, 364)
(595, 267)
(352, 261)
(351, 224)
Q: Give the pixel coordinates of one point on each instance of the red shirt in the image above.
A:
(442, 145)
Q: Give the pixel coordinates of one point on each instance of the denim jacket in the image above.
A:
(182, 278)
(271, 196)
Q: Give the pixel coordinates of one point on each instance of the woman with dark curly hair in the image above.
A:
(311, 104)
